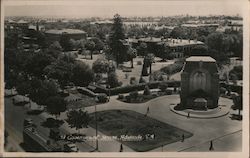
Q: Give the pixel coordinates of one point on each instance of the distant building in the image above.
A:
(200, 83)
(178, 47)
(55, 35)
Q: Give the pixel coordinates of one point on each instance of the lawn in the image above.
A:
(125, 122)
(85, 101)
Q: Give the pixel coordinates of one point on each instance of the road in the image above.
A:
(14, 116)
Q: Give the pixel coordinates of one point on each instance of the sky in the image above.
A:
(126, 8)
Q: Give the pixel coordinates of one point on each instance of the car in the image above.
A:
(70, 147)
(36, 110)
(52, 123)
(102, 98)
(28, 122)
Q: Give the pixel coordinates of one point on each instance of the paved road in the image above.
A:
(14, 116)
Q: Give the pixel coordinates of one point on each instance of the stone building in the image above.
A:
(199, 83)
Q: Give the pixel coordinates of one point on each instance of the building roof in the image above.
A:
(22, 22)
(69, 31)
(200, 58)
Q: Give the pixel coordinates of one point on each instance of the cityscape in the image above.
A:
(123, 83)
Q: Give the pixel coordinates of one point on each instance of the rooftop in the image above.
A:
(200, 58)
(171, 42)
(69, 31)
(22, 22)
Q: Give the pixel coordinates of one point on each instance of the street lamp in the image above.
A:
(96, 129)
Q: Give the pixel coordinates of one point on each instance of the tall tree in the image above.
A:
(65, 42)
(90, 45)
(78, 119)
(117, 35)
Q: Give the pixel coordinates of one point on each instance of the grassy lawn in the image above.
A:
(125, 122)
(84, 102)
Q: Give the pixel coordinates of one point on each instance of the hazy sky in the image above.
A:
(107, 8)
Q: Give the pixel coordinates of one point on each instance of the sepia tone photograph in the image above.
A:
(124, 77)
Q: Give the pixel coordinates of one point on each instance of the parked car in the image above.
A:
(28, 122)
(36, 110)
(102, 98)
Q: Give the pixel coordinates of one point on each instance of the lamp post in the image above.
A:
(96, 129)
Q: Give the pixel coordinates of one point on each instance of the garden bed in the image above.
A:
(154, 133)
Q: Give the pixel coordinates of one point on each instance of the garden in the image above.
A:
(154, 133)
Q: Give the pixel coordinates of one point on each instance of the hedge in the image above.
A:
(130, 88)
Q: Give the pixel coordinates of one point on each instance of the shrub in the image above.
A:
(169, 92)
(147, 91)
(163, 86)
(142, 80)
(113, 80)
(133, 95)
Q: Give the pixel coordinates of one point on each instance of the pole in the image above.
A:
(96, 129)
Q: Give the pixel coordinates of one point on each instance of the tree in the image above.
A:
(23, 88)
(65, 42)
(102, 66)
(82, 75)
(90, 45)
(117, 35)
(78, 119)
(56, 105)
(36, 64)
(199, 50)
(148, 60)
(113, 80)
(162, 51)
(215, 41)
(131, 54)
(56, 46)
(146, 90)
(99, 45)
(142, 49)
(41, 90)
